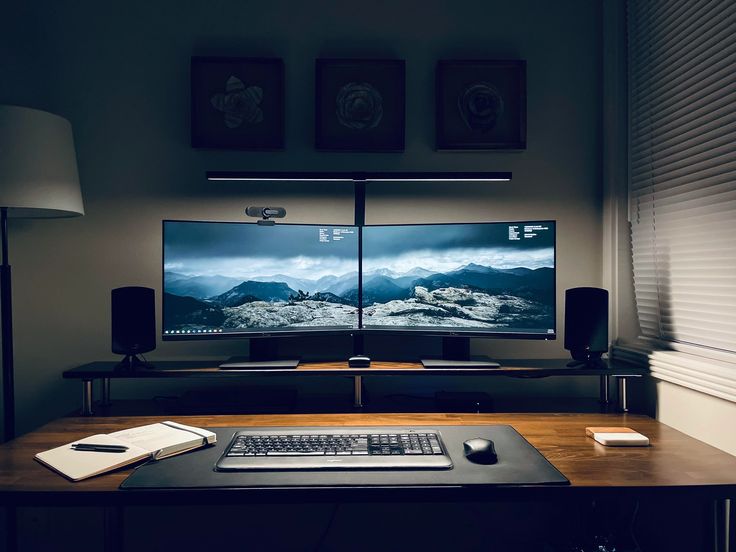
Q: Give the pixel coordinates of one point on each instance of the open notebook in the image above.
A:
(154, 441)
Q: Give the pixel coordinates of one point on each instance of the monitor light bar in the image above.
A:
(360, 177)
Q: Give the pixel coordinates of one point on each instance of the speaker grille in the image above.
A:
(586, 322)
(133, 320)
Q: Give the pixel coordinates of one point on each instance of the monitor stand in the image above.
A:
(456, 354)
(263, 356)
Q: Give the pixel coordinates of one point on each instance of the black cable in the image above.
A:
(631, 527)
(328, 527)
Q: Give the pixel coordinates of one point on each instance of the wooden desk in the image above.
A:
(674, 467)
(674, 463)
(515, 368)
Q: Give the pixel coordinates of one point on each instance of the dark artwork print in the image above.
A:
(237, 103)
(359, 105)
(481, 105)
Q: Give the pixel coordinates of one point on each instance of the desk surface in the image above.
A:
(674, 461)
(209, 368)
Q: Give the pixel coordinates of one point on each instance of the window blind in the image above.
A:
(682, 171)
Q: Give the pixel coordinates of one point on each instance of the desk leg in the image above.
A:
(113, 527)
(730, 521)
(718, 525)
(358, 391)
(623, 400)
(87, 397)
(105, 384)
(11, 529)
(719, 540)
(604, 396)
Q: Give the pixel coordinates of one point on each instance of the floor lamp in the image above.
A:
(38, 179)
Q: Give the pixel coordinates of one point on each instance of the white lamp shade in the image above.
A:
(38, 165)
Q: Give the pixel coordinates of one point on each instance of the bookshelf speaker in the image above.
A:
(586, 324)
(133, 322)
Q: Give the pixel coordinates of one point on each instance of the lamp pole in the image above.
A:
(6, 322)
(38, 179)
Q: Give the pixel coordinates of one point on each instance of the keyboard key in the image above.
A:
(295, 453)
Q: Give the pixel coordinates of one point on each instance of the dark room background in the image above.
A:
(120, 73)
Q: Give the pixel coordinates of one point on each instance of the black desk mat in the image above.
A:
(519, 463)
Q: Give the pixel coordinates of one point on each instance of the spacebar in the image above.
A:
(314, 453)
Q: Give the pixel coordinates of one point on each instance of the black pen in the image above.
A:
(90, 447)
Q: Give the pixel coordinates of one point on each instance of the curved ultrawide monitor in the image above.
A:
(489, 279)
(226, 279)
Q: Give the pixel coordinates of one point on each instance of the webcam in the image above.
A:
(265, 213)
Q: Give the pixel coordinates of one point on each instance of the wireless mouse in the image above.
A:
(480, 451)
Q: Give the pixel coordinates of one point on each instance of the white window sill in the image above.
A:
(706, 370)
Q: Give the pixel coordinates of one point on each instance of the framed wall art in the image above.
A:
(481, 104)
(237, 103)
(359, 105)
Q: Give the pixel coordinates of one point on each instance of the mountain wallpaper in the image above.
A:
(238, 277)
(229, 277)
(463, 277)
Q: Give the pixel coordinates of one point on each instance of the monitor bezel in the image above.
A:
(247, 334)
(491, 334)
(422, 331)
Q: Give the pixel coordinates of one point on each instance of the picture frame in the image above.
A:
(360, 105)
(237, 103)
(480, 105)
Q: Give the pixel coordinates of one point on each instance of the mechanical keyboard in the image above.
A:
(322, 448)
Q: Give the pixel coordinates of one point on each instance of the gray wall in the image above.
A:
(120, 73)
